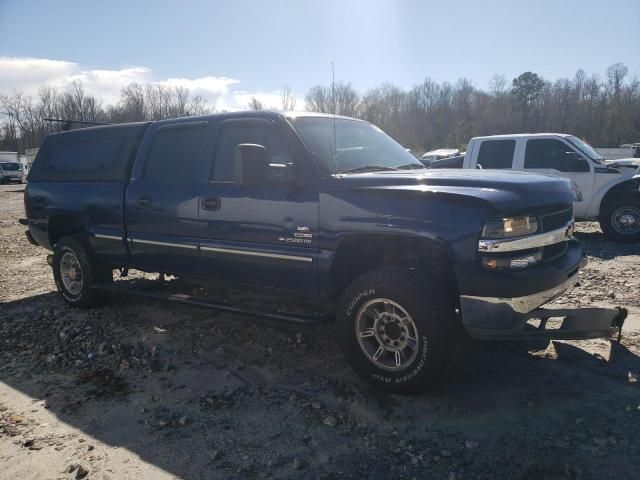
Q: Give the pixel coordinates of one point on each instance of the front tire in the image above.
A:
(620, 219)
(76, 272)
(397, 329)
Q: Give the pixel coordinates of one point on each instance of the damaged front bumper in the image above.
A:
(520, 318)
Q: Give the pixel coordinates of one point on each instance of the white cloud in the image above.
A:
(106, 84)
(239, 100)
(214, 89)
(27, 75)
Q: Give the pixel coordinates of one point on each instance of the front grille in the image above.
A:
(555, 219)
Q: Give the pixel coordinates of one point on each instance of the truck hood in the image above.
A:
(499, 190)
(624, 163)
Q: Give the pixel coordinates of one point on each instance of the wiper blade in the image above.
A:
(367, 168)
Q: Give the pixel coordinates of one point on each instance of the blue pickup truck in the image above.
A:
(407, 260)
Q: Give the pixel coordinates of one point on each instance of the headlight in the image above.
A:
(510, 227)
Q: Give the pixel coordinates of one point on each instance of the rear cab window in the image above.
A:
(496, 154)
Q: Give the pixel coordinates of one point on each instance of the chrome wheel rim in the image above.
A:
(626, 220)
(387, 334)
(71, 273)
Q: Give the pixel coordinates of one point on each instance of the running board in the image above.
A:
(200, 302)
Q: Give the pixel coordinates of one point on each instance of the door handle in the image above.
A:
(210, 204)
(143, 202)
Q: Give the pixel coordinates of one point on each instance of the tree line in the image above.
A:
(603, 110)
(23, 119)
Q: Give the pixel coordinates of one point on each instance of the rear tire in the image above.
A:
(76, 272)
(620, 219)
(398, 329)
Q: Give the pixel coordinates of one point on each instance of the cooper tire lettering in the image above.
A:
(357, 298)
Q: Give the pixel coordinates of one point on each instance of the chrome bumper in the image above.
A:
(493, 318)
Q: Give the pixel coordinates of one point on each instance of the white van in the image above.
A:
(11, 172)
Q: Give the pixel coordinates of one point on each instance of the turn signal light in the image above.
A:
(511, 263)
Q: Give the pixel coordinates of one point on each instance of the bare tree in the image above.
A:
(133, 105)
(255, 104)
(615, 76)
(288, 99)
(498, 85)
(346, 99)
(340, 98)
(318, 99)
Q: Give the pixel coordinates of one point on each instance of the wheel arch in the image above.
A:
(361, 252)
(629, 187)
(63, 224)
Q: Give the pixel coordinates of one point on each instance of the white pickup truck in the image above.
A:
(606, 190)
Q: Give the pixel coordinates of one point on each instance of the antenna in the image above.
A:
(333, 94)
(68, 124)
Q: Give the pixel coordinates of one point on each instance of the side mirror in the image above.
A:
(251, 164)
(576, 163)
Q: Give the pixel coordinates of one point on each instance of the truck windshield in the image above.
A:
(358, 146)
(11, 167)
(585, 148)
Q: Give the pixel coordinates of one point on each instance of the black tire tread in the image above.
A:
(605, 218)
(93, 273)
(432, 298)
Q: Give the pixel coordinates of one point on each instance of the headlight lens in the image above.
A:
(510, 227)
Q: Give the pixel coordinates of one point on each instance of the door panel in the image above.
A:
(260, 235)
(162, 199)
(163, 231)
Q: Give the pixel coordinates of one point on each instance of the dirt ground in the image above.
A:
(149, 390)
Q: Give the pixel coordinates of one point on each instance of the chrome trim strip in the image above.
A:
(523, 243)
(256, 254)
(107, 237)
(164, 244)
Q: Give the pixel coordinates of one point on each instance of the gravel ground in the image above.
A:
(149, 390)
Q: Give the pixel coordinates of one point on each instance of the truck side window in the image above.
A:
(553, 154)
(231, 136)
(174, 153)
(496, 154)
(84, 156)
